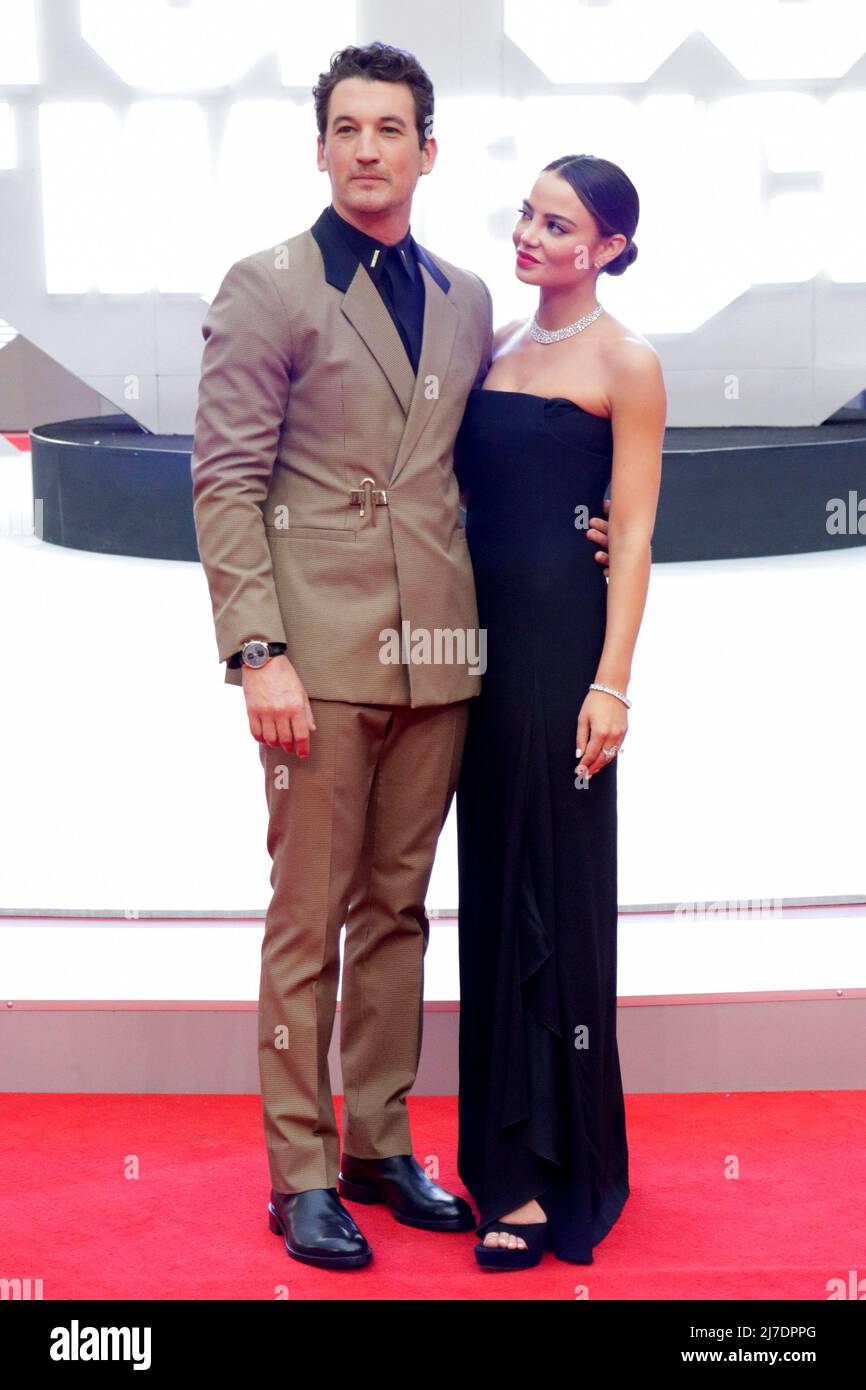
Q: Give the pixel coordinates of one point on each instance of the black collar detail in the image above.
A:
(341, 261)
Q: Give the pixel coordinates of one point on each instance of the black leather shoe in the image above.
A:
(317, 1228)
(401, 1183)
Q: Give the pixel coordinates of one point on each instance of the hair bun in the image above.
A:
(626, 257)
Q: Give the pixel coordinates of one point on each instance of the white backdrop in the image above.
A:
(146, 145)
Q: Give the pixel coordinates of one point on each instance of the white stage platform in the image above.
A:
(132, 785)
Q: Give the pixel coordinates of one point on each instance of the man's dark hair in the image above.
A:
(378, 62)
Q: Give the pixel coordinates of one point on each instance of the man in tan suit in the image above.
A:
(335, 372)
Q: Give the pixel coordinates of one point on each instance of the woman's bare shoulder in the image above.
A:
(626, 344)
(507, 331)
(633, 373)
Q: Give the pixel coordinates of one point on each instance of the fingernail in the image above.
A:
(578, 752)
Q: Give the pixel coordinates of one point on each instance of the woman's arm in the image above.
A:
(638, 411)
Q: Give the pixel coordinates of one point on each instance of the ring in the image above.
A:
(609, 752)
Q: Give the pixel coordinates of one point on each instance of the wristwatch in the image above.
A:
(256, 653)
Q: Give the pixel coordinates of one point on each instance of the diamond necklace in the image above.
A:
(556, 335)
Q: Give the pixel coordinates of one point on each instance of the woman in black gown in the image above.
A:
(542, 1144)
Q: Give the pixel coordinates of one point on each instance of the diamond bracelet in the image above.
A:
(608, 691)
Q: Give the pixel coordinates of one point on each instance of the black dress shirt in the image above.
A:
(395, 272)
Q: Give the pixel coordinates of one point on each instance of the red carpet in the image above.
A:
(193, 1224)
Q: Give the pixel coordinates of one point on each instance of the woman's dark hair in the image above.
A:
(609, 195)
(378, 62)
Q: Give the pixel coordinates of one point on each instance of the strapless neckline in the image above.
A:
(552, 400)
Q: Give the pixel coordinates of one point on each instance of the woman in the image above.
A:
(573, 401)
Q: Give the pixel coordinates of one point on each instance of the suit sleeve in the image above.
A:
(242, 399)
(487, 357)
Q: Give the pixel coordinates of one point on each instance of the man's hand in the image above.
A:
(278, 709)
(597, 533)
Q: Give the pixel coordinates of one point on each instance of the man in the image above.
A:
(334, 376)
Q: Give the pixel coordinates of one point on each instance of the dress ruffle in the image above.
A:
(534, 1040)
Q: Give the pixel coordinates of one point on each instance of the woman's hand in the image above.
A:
(602, 723)
(597, 533)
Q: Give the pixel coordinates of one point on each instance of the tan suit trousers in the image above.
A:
(352, 838)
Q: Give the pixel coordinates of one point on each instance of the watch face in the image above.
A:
(255, 654)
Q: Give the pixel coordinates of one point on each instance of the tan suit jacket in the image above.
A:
(305, 391)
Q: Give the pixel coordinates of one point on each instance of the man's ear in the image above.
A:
(321, 158)
(428, 155)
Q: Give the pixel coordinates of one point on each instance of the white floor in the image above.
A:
(131, 783)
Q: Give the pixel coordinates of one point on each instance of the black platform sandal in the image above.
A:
(535, 1233)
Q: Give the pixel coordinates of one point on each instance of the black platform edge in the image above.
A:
(109, 486)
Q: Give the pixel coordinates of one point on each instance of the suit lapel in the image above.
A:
(363, 307)
(362, 304)
(440, 329)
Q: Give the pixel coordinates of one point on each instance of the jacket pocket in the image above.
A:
(311, 533)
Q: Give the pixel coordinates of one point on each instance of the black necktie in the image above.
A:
(396, 271)
(399, 281)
